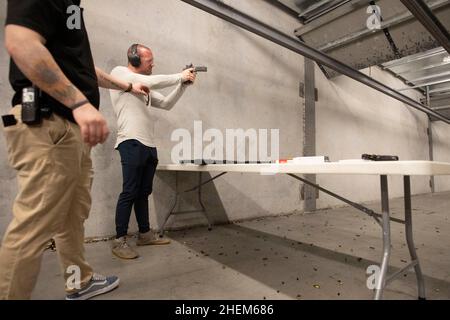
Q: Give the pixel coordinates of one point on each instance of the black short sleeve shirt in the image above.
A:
(57, 21)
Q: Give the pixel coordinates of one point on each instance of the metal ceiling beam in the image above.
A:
(424, 14)
(423, 85)
(291, 5)
(313, 7)
(331, 16)
(441, 99)
(443, 90)
(414, 58)
(366, 31)
(250, 24)
(331, 8)
(428, 77)
(441, 108)
(431, 66)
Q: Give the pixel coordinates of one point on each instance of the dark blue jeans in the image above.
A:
(138, 169)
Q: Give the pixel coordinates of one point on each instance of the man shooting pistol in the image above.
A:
(195, 69)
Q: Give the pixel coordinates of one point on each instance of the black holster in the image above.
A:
(34, 107)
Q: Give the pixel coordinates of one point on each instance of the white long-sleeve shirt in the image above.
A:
(133, 115)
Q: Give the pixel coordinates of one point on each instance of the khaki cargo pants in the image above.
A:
(54, 172)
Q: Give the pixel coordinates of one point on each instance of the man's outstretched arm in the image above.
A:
(108, 81)
(164, 81)
(168, 102)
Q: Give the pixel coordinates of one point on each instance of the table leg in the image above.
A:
(409, 237)
(381, 283)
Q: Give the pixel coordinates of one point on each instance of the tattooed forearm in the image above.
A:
(46, 74)
(38, 65)
(114, 84)
(109, 82)
(68, 93)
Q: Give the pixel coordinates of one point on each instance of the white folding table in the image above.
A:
(380, 168)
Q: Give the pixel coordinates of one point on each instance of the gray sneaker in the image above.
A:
(122, 250)
(149, 238)
(97, 285)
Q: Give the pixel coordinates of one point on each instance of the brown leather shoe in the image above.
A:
(121, 249)
(150, 239)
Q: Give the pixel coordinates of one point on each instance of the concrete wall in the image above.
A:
(251, 83)
(353, 119)
(441, 146)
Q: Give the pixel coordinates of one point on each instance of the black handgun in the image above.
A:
(376, 157)
(197, 68)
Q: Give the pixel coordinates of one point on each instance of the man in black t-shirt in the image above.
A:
(53, 158)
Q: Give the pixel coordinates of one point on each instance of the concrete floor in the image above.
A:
(302, 256)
